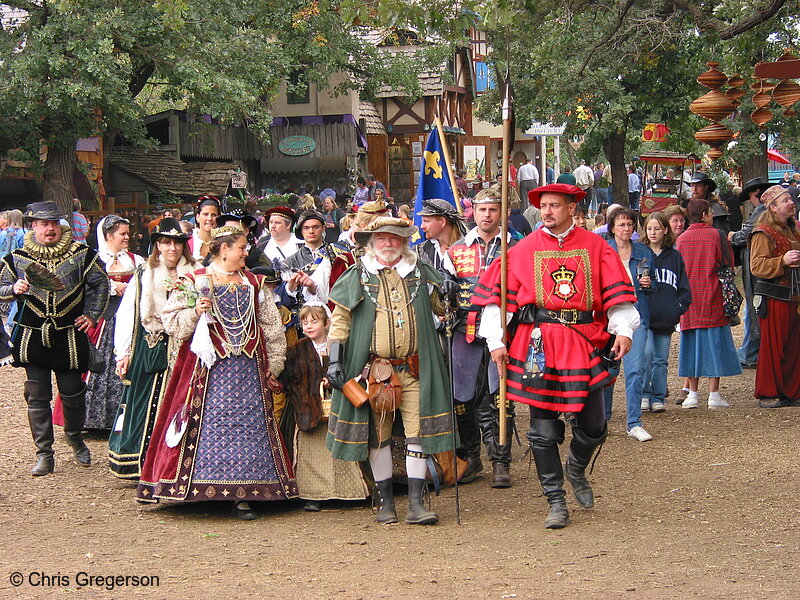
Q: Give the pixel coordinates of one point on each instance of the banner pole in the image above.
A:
(446, 150)
(503, 392)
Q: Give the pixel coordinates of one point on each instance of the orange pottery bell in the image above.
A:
(713, 78)
(714, 106)
(714, 134)
(786, 93)
(760, 116)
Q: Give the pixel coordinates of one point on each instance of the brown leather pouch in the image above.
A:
(355, 392)
(384, 386)
(413, 365)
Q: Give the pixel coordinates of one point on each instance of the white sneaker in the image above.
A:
(658, 407)
(690, 402)
(717, 402)
(645, 403)
(639, 433)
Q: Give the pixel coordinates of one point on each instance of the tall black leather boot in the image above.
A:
(580, 454)
(545, 435)
(38, 395)
(500, 455)
(384, 500)
(74, 408)
(417, 513)
(470, 436)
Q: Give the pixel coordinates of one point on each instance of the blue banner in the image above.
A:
(434, 180)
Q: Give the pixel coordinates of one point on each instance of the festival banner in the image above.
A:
(434, 179)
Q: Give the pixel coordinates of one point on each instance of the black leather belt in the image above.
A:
(531, 313)
(772, 290)
(570, 316)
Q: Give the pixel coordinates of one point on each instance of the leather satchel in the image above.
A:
(383, 386)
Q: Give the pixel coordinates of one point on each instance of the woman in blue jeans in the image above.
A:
(638, 261)
(666, 305)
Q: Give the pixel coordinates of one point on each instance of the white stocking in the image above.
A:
(380, 459)
(417, 468)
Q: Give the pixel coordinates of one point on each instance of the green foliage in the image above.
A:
(77, 68)
(609, 68)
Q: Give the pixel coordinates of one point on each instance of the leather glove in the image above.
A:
(450, 292)
(335, 372)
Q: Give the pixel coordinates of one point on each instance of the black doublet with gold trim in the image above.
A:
(45, 333)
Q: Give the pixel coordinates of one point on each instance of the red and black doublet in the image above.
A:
(573, 277)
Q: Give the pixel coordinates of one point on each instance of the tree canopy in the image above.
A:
(607, 68)
(78, 68)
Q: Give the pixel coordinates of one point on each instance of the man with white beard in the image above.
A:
(382, 317)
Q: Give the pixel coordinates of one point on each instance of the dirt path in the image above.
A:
(708, 510)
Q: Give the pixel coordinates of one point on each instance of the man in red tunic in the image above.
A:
(568, 293)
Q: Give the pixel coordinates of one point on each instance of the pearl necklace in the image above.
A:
(223, 271)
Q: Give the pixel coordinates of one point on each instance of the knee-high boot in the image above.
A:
(545, 436)
(580, 454)
(470, 436)
(38, 395)
(74, 408)
(499, 454)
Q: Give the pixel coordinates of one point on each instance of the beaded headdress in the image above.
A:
(219, 232)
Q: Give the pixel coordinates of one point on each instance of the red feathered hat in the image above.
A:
(535, 196)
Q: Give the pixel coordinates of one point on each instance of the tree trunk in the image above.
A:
(571, 154)
(58, 169)
(756, 166)
(614, 149)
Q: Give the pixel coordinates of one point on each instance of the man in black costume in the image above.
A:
(49, 334)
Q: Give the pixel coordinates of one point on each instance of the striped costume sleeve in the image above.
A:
(615, 285)
(487, 290)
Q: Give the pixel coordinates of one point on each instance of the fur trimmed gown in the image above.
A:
(215, 437)
(140, 335)
(319, 475)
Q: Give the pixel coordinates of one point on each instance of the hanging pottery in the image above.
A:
(760, 116)
(734, 94)
(762, 85)
(735, 81)
(713, 78)
(714, 134)
(761, 99)
(714, 106)
(786, 93)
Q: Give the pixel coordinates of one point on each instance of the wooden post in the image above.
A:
(504, 260)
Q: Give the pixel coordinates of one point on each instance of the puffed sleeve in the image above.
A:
(97, 284)
(269, 319)
(8, 277)
(126, 316)
(180, 319)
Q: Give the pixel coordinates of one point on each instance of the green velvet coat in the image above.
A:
(348, 426)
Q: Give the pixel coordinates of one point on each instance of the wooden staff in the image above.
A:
(446, 150)
(503, 257)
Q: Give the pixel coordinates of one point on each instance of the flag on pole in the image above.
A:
(434, 179)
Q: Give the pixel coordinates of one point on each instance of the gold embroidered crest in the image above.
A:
(564, 288)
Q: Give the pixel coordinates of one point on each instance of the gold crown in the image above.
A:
(563, 274)
(219, 232)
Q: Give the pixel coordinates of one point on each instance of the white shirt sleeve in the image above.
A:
(623, 319)
(123, 330)
(491, 328)
(448, 265)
